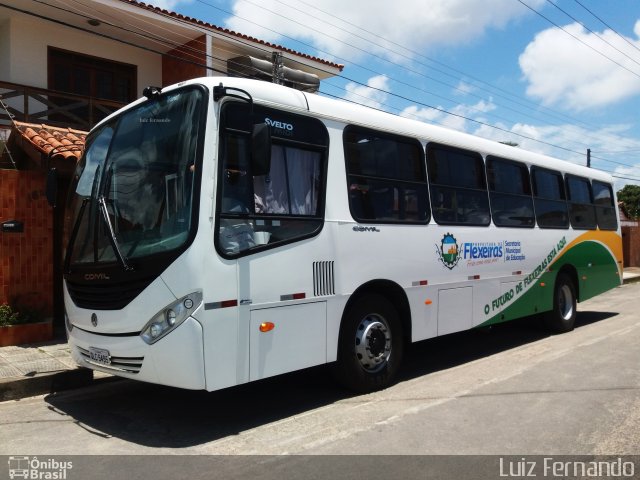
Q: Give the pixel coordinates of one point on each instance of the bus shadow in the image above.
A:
(449, 351)
(158, 416)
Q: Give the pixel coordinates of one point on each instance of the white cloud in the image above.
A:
(542, 139)
(571, 137)
(629, 172)
(415, 24)
(464, 88)
(371, 95)
(429, 115)
(167, 4)
(457, 121)
(561, 71)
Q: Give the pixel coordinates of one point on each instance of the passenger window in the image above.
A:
(582, 212)
(510, 193)
(286, 204)
(386, 177)
(549, 198)
(458, 186)
(605, 208)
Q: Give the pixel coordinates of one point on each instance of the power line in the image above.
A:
(401, 82)
(493, 89)
(354, 81)
(607, 25)
(366, 68)
(635, 150)
(361, 84)
(405, 99)
(577, 39)
(594, 33)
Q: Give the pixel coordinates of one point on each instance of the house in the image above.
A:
(64, 66)
(98, 55)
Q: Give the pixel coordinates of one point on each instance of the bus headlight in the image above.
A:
(170, 317)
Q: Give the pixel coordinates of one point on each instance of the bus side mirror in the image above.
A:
(260, 150)
(52, 187)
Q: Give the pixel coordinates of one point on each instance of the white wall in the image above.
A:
(29, 39)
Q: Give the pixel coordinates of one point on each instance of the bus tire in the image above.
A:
(371, 345)
(562, 317)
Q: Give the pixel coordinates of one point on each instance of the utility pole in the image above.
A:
(589, 157)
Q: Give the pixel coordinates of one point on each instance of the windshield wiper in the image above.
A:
(112, 236)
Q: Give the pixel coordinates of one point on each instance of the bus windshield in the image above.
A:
(132, 193)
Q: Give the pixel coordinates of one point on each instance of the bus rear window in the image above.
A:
(605, 209)
(582, 212)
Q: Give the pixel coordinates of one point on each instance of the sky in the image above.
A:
(553, 76)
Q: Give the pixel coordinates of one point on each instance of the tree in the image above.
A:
(630, 196)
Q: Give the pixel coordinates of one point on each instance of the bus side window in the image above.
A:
(582, 211)
(510, 193)
(605, 209)
(386, 177)
(458, 186)
(549, 198)
(284, 205)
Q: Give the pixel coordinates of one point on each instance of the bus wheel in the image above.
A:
(371, 344)
(563, 316)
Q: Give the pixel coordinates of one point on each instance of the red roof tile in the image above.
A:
(230, 32)
(59, 143)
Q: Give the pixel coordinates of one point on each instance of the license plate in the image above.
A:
(100, 355)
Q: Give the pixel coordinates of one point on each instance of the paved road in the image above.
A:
(511, 391)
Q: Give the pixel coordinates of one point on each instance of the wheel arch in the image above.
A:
(571, 271)
(392, 292)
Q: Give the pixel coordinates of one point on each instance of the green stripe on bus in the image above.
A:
(597, 272)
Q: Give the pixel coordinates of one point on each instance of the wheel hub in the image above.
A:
(373, 343)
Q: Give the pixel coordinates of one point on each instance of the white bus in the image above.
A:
(226, 230)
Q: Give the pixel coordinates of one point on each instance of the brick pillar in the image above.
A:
(26, 263)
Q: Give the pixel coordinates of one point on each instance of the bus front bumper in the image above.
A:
(175, 360)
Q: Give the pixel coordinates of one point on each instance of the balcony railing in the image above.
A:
(39, 105)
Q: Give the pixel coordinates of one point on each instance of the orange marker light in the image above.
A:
(428, 302)
(267, 326)
(542, 284)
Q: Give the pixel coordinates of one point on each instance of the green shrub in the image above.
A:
(13, 316)
(8, 316)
